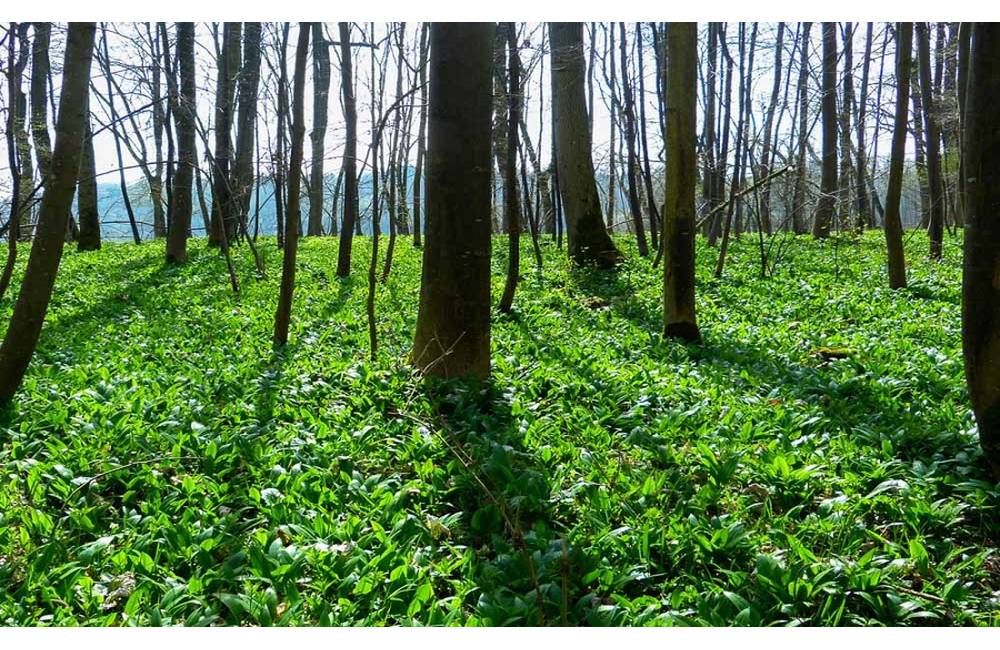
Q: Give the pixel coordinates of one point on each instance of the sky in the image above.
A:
(131, 60)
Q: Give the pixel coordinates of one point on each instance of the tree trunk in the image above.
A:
(893, 221)
(765, 155)
(242, 179)
(828, 183)
(679, 319)
(86, 197)
(863, 216)
(980, 292)
(801, 172)
(418, 171)
(589, 242)
(283, 315)
(635, 207)
(229, 65)
(350, 219)
(511, 206)
(317, 138)
(452, 337)
(935, 224)
(846, 181)
(185, 105)
(32, 303)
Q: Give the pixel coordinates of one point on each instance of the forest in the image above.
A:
(500, 324)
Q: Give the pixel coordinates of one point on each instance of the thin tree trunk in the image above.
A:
(935, 226)
(511, 205)
(893, 221)
(801, 173)
(283, 315)
(184, 107)
(89, 216)
(317, 138)
(635, 207)
(350, 153)
(828, 184)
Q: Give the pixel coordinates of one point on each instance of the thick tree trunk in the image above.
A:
(184, 108)
(980, 291)
(452, 336)
(679, 319)
(321, 95)
(350, 219)
(589, 242)
(283, 315)
(893, 221)
(828, 183)
(32, 303)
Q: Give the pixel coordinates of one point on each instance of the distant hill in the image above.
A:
(114, 216)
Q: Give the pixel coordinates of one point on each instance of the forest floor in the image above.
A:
(815, 461)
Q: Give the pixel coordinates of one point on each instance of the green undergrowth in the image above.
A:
(815, 461)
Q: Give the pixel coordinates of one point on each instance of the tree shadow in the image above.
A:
(526, 571)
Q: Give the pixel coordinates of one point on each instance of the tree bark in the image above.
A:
(980, 292)
(452, 336)
(828, 183)
(222, 194)
(321, 94)
(32, 303)
(283, 315)
(679, 320)
(935, 225)
(893, 221)
(185, 105)
(589, 242)
(242, 177)
(90, 221)
(511, 205)
(801, 171)
(350, 218)
(418, 171)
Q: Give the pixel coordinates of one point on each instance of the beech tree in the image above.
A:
(86, 197)
(321, 92)
(184, 106)
(350, 153)
(828, 184)
(452, 337)
(588, 239)
(980, 292)
(283, 314)
(679, 319)
(893, 221)
(32, 302)
(511, 204)
(935, 225)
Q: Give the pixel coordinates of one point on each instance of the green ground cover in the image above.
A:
(814, 462)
